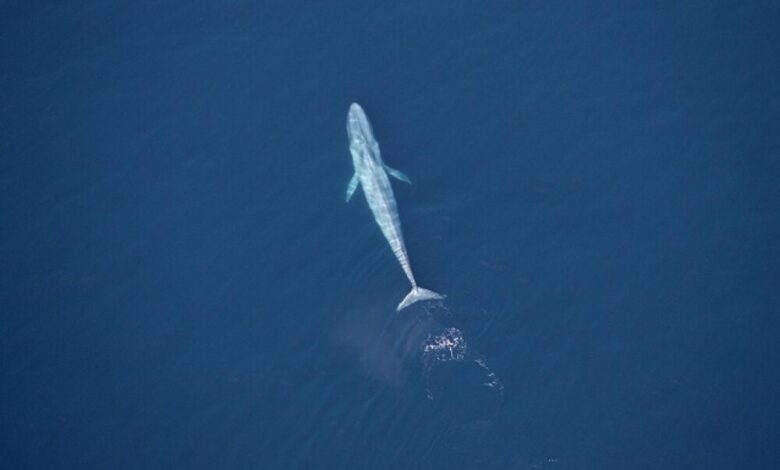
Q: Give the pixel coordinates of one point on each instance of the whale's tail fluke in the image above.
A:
(417, 294)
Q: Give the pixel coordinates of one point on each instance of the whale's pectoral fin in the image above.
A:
(398, 174)
(353, 184)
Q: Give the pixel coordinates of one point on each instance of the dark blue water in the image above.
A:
(595, 189)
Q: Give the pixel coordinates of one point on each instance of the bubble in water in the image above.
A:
(448, 346)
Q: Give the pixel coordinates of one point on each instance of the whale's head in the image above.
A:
(358, 127)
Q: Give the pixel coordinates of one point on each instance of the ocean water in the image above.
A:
(594, 189)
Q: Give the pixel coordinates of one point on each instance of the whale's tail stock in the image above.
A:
(417, 294)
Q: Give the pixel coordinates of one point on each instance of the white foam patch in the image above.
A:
(448, 346)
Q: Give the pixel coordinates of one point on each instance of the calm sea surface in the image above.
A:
(595, 189)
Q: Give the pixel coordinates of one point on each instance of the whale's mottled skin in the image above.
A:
(371, 173)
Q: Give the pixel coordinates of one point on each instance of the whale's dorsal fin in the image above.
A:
(398, 174)
(353, 184)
